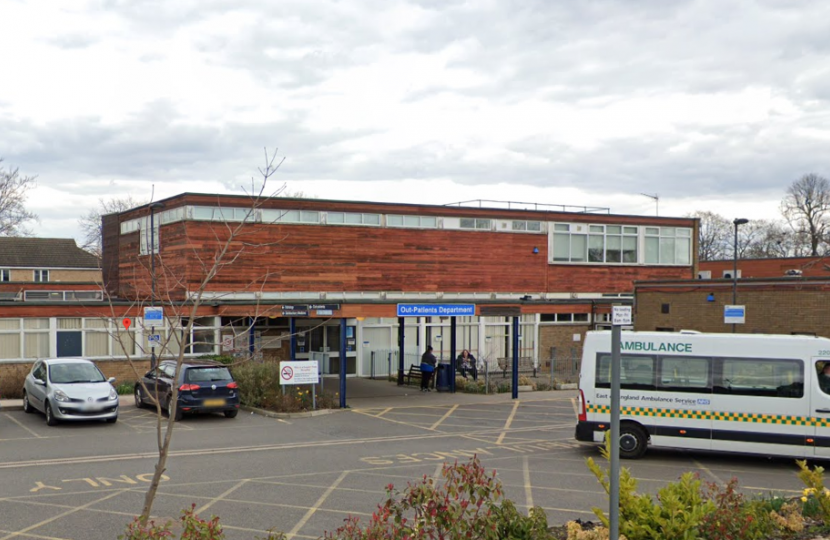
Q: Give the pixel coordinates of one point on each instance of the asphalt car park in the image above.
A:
(305, 475)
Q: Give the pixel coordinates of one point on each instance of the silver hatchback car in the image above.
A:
(69, 389)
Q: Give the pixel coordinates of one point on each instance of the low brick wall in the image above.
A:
(12, 374)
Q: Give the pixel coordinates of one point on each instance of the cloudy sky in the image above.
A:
(710, 105)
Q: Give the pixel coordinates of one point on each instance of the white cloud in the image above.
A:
(710, 105)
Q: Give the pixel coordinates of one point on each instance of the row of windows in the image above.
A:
(231, 214)
(37, 275)
(706, 375)
(579, 243)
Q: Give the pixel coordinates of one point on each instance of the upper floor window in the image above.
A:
(668, 245)
(290, 216)
(146, 237)
(351, 218)
(5, 274)
(576, 242)
(41, 275)
(475, 223)
(418, 222)
(530, 226)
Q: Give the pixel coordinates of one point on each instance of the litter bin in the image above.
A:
(442, 377)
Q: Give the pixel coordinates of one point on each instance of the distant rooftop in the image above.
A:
(539, 207)
(28, 252)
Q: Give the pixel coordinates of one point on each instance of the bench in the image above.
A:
(414, 373)
(526, 365)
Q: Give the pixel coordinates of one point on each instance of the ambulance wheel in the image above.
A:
(633, 441)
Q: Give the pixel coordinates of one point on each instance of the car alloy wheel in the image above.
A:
(50, 417)
(27, 407)
(139, 401)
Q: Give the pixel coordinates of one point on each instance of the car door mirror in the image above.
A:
(40, 382)
(111, 380)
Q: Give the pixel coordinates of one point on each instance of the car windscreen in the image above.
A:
(207, 374)
(75, 373)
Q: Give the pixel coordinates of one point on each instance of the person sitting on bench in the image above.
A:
(467, 363)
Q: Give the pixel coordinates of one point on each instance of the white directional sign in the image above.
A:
(153, 316)
(621, 315)
(734, 314)
(302, 372)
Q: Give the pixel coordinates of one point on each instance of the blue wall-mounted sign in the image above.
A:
(436, 310)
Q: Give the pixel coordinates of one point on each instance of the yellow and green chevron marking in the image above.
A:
(715, 415)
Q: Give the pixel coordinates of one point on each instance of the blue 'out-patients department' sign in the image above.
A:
(436, 310)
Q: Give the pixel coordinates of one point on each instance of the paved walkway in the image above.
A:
(362, 393)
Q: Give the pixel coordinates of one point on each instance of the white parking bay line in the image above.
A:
(16, 421)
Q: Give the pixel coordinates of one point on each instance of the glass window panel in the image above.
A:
(467, 223)
(520, 225)
(534, 226)
(36, 345)
(667, 231)
(595, 248)
(667, 251)
(483, 224)
(630, 249)
(69, 324)
(310, 217)
(629, 230)
(579, 247)
(613, 229)
(684, 232)
(561, 227)
(652, 231)
(561, 247)
(685, 372)
(598, 228)
(395, 221)
(563, 317)
(289, 216)
(335, 217)
(635, 372)
(10, 345)
(202, 212)
(580, 317)
(36, 324)
(354, 219)
(126, 345)
(411, 221)
(429, 222)
(95, 323)
(203, 341)
(613, 252)
(682, 250)
(772, 378)
(371, 219)
(9, 324)
(652, 250)
(96, 344)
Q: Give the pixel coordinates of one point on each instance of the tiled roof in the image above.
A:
(18, 252)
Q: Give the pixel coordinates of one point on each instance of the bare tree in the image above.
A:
(766, 239)
(90, 223)
(13, 214)
(805, 207)
(231, 245)
(715, 234)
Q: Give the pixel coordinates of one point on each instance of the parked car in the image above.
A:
(204, 386)
(69, 389)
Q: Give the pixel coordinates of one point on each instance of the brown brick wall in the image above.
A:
(768, 310)
(12, 374)
(561, 337)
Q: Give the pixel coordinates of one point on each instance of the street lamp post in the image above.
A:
(736, 222)
(153, 207)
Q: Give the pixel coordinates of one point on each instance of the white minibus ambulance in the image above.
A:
(748, 393)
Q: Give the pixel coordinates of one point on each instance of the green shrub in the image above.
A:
(468, 504)
(193, 528)
(259, 383)
(676, 514)
(125, 389)
(733, 517)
